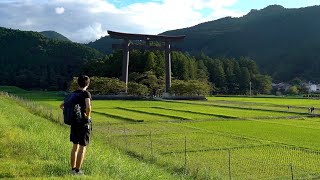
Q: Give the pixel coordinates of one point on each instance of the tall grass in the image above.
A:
(34, 147)
(261, 148)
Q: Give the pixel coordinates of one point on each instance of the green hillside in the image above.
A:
(284, 42)
(32, 147)
(31, 60)
(54, 35)
(104, 44)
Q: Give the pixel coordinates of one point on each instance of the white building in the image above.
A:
(313, 88)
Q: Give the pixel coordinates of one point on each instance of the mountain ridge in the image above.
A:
(274, 37)
(54, 35)
(31, 60)
(283, 41)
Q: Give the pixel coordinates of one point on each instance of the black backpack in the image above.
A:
(72, 108)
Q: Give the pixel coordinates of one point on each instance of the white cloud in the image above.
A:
(89, 33)
(88, 20)
(59, 10)
(157, 17)
(27, 22)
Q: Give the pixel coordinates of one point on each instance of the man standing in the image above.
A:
(80, 130)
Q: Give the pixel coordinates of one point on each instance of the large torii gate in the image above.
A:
(126, 47)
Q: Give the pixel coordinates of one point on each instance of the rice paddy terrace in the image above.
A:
(222, 138)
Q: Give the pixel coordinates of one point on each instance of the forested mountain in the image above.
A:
(104, 44)
(285, 43)
(31, 60)
(226, 75)
(54, 35)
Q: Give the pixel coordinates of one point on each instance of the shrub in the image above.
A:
(137, 89)
(190, 88)
(102, 85)
(293, 90)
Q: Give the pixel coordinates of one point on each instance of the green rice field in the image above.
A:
(222, 138)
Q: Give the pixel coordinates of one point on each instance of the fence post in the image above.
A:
(207, 173)
(151, 148)
(58, 117)
(51, 115)
(291, 169)
(126, 139)
(109, 135)
(185, 155)
(229, 163)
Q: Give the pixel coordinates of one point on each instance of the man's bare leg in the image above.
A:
(80, 156)
(74, 153)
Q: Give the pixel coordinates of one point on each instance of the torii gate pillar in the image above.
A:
(168, 66)
(126, 47)
(125, 63)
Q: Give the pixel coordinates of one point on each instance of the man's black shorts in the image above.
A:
(80, 134)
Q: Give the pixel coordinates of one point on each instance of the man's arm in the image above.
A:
(88, 108)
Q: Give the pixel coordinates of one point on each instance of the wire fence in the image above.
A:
(201, 155)
(187, 156)
(39, 109)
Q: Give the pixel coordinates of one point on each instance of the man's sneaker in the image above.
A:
(73, 172)
(79, 173)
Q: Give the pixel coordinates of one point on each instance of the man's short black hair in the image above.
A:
(83, 81)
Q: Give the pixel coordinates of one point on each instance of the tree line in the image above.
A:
(31, 61)
(222, 75)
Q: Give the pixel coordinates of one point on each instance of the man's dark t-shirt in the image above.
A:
(83, 95)
(80, 132)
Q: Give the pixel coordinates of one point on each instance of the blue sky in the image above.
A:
(247, 5)
(241, 5)
(88, 20)
(120, 3)
(244, 4)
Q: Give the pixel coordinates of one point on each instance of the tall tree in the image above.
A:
(151, 62)
(262, 84)
(202, 71)
(244, 80)
(217, 75)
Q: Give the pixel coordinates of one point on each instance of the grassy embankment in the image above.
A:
(262, 136)
(33, 147)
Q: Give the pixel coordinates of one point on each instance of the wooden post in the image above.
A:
(109, 132)
(51, 114)
(185, 155)
(58, 117)
(126, 139)
(229, 163)
(208, 173)
(250, 89)
(291, 169)
(151, 148)
(125, 63)
(168, 66)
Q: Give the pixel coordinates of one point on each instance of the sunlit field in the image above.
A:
(237, 137)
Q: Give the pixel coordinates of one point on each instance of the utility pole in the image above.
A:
(250, 88)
